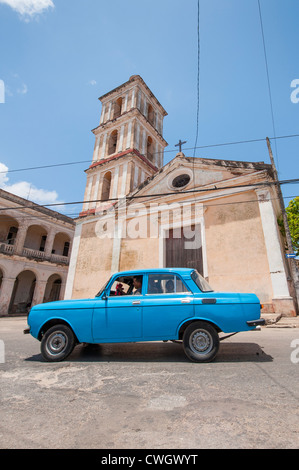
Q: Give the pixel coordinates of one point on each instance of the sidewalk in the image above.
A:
(275, 320)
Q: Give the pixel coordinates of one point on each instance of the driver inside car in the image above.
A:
(137, 283)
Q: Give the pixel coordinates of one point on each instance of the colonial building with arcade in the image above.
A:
(35, 248)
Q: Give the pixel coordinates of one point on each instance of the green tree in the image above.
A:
(293, 218)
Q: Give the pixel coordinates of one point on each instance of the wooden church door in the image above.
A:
(182, 250)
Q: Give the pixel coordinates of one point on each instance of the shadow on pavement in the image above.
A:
(159, 352)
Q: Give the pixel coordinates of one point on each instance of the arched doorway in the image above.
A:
(8, 229)
(22, 293)
(53, 288)
(61, 244)
(36, 238)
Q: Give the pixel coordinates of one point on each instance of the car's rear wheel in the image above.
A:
(200, 342)
(57, 343)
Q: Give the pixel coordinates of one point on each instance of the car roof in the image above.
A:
(182, 271)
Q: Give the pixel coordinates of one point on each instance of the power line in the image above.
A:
(135, 196)
(33, 217)
(268, 75)
(45, 166)
(198, 75)
(222, 144)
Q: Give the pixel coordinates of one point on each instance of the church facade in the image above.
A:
(217, 216)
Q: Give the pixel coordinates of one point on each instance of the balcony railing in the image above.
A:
(30, 253)
(33, 254)
(7, 249)
(59, 259)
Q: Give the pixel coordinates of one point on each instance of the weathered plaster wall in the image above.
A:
(237, 257)
(93, 263)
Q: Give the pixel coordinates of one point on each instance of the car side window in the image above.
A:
(126, 285)
(165, 284)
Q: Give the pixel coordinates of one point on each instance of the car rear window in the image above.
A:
(166, 284)
(201, 282)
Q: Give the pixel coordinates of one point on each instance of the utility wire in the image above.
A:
(268, 76)
(135, 196)
(223, 144)
(198, 76)
(74, 216)
(198, 92)
(45, 166)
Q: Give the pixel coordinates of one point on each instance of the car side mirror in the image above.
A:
(104, 296)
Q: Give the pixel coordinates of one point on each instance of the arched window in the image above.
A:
(106, 186)
(117, 108)
(112, 142)
(11, 236)
(150, 149)
(151, 115)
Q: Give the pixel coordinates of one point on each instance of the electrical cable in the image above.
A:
(198, 76)
(240, 142)
(268, 78)
(135, 196)
(187, 203)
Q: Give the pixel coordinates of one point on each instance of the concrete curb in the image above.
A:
(275, 320)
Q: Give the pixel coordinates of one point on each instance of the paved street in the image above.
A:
(149, 396)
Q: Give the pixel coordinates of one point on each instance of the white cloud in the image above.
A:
(92, 82)
(27, 190)
(15, 84)
(29, 8)
(23, 90)
(3, 174)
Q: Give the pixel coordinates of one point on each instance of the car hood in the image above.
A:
(63, 304)
(249, 298)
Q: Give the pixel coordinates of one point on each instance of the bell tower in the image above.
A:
(129, 144)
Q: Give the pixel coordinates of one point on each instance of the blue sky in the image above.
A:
(58, 56)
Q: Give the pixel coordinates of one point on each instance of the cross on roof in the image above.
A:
(180, 144)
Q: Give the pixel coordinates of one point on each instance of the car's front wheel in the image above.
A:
(201, 342)
(57, 343)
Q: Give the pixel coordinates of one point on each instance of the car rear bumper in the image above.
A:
(259, 322)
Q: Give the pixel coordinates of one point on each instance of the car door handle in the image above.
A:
(185, 301)
(209, 301)
(136, 302)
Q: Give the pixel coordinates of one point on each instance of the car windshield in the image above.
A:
(103, 288)
(201, 282)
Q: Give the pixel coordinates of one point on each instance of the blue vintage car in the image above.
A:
(146, 305)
